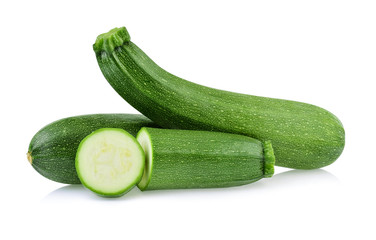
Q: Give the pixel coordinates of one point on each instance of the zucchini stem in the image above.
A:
(269, 159)
(109, 41)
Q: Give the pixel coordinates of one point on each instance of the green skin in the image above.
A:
(203, 159)
(304, 136)
(52, 150)
(126, 188)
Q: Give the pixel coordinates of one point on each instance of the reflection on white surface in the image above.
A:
(302, 177)
(293, 179)
(79, 192)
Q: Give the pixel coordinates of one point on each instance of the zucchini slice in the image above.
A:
(110, 162)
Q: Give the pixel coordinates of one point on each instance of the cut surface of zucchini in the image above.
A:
(110, 162)
(144, 139)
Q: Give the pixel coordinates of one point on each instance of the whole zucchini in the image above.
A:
(304, 136)
(202, 159)
(52, 150)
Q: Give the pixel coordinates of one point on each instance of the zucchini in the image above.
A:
(304, 136)
(110, 162)
(202, 159)
(52, 150)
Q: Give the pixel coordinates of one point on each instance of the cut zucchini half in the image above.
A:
(180, 159)
(110, 162)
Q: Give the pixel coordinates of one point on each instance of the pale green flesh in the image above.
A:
(144, 139)
(109, 162)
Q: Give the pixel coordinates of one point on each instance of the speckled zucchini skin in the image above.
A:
(52, 150)
(202, 159)
(304, 136)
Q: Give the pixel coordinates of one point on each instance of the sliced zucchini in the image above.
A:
(110, 162)
(178, 159)
(52, 150)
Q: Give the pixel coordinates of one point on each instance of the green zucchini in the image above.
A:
(52, 150)
(202, 159)
(110, 162)
(304, 136)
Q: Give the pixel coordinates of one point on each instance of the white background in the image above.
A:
(319, 52)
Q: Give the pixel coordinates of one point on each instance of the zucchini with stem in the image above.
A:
(304, 136)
